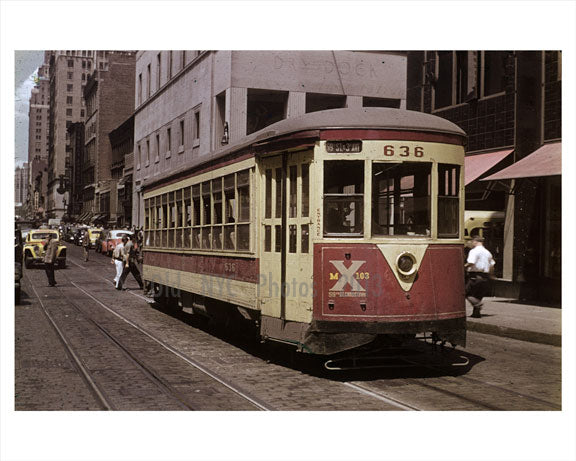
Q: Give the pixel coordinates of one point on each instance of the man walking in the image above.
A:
(86, 244)
(118, 260)
(129, 255)
(479, 267)
(51, 249)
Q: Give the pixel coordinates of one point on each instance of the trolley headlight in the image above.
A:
(406, 264)
(37, 249)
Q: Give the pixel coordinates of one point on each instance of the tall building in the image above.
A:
(191, 104)
(20, 186)
(509, 103)
(68, 74)
(39, 122)
(122, 142)
(109, 96)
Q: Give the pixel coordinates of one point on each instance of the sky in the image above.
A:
(26, 65)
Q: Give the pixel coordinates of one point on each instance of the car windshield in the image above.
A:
(121, 234)
(43, 235)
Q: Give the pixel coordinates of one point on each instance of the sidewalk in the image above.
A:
(510, 318)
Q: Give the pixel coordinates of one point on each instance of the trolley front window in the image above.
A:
(343, 198)
(401, 198)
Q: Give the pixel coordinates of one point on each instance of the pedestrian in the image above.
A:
(479, 269)
(86, 244)
(118, 260)
(51, 251)
(129, 264)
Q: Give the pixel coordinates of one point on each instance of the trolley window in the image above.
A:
(401, 198)
(343, 198)
(448, 203)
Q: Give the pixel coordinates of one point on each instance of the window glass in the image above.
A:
(217, 200)
(448, 203)
(401, 198)
(304, 236)
(293, 192)
(305, 189)
(343, 197)
(229, 199)
(243, 180)
(268, 195)
(278, 213)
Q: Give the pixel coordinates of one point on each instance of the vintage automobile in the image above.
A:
(94, 234)
(34, 248)
(17, 264)
(113, 238)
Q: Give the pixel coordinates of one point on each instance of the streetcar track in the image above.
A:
(92, 386)
(237, 390)
(495, 386)
(166, 388)
(378, 395)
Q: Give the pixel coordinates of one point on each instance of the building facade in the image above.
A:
(38, 141)
(109, 96)
(68, 74)
(21, 185)
(190, 104)
(122, 143)
(509, 103)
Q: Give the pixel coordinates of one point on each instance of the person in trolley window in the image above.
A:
(118, 260)
(479, 267)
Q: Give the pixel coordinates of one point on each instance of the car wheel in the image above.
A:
(27, 262)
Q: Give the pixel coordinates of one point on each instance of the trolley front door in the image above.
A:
(286, 285)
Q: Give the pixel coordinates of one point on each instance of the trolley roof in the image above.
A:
(381, 118)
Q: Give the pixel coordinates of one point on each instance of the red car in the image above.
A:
(113, 238)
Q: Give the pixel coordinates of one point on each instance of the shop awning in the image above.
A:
(545, 161)
(477, 165)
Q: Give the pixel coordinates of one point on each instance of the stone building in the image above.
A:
(190, 104)
(68, 74)
(38, 116)
(109, 96)
(20, 184)
(509, 104)
(122, 142)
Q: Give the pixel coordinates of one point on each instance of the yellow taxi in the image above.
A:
(34, 250)
(94, 234)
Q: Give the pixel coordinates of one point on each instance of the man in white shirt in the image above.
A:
(119, 261)
(479, 267)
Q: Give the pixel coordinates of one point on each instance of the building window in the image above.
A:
(183, 59)
(83, 77)
(265, 107)
(147, 152)
(197, 124)
(70, 87)
(68, 112)
(159, 69)
(69, 99)
(81, 112)
(169, 141)
(139, 156)
(318, 101)
(83, 64)
(170, 63)
(139, 88)
(70, 63)
(157, 147)
(493, 72)
(443, 86)
(182, 135)
(148, 82)
(380, 102)
(70, 75)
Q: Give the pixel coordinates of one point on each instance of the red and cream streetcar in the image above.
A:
(326, 231)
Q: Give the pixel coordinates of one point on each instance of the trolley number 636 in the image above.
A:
(389, 151)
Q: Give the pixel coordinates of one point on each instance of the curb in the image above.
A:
(514, 333)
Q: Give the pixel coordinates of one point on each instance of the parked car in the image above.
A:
(17, 264)
(34, 250)
(113, 238)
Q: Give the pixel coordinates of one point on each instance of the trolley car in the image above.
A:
(327, 231)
